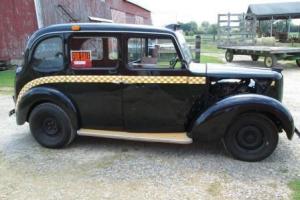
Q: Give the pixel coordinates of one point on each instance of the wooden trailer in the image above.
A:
(271, 54)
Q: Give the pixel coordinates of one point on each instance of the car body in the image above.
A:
(139, 82)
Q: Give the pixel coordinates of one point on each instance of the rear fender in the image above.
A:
(214, 122)
(40, 95)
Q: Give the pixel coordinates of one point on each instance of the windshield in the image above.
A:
(184, 46)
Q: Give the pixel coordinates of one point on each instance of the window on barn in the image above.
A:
(159, 53)
(94, 52)
(48, 55)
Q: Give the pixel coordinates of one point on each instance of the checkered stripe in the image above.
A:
(110, 79)
(155, 79)
(196, 80)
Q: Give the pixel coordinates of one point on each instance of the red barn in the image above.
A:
(20, 18)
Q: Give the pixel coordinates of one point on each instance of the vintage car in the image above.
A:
(140, 83)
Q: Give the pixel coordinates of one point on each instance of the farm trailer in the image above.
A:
(271, 54)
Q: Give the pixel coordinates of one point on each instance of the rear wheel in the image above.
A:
(270, 61)
(252, 137)
(254, 57)
(298, 62)
(229, 56)
(51, 126)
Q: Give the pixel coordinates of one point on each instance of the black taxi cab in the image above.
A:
(140, 83)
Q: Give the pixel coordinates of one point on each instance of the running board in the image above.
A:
(176, 138)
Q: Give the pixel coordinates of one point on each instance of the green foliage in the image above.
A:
(7, 78)
(192, 28)
(295, 186)
(210, 59)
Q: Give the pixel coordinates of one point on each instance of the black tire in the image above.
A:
(51, 126)
(254, 57)
(270, 61)
(298, 62)
(252, 137)
(229, 56)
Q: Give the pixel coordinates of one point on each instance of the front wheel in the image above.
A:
(51, 126)
(252, 137)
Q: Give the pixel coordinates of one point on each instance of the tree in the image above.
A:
(213, 29)
(190, 28)
(205, 26)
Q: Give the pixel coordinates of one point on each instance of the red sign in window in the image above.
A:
(81, 59)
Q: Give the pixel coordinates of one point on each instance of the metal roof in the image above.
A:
(275, 10)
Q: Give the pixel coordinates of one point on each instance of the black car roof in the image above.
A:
(105, 27)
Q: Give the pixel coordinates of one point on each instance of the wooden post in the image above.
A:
(289, 25)
(219, 28)
(198, 49)
(228, 27)
(271, 34)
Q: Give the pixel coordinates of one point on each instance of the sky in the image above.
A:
(171, 11)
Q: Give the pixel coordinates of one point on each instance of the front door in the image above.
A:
(156, 95)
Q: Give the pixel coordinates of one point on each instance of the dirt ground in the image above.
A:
(94, 168)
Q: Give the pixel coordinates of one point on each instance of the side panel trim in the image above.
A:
(117, 79)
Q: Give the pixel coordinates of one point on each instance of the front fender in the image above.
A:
(40, 95)
(214, 122)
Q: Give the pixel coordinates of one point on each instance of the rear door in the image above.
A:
(156, 95)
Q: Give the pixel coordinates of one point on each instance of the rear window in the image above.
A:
(48, 55)
(94, 52)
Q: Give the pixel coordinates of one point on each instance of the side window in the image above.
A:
(48, 55)
(157, 53)
(94, 52)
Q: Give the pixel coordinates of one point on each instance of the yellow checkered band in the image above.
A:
(111, 79)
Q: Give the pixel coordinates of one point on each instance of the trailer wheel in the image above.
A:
(298, 62)
(254, 57)
(270, 61)
(252, 137)
(229, 56)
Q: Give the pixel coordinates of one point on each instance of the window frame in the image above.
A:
(36, 45)
(152, 36)
(94, 34)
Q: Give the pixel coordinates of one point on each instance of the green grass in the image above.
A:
(295, 186)
(7, 78)
(210, 59)
(210, 48)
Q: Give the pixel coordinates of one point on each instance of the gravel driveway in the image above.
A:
(94, 168)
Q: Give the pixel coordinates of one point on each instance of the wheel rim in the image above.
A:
(269, 61)
(250, 138)
(50, 126)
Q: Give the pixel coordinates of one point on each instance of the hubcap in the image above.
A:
(50, 126)
(269, 61)
(250, 138)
